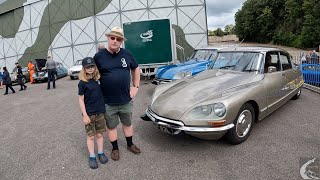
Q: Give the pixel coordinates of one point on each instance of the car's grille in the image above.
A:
(75, 72)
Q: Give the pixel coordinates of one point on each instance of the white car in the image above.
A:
(74, 71)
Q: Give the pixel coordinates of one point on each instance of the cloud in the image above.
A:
(221, 12)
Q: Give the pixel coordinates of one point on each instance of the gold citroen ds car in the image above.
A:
(241, 86)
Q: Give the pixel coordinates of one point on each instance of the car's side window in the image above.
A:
(272, 60)
(285, 62)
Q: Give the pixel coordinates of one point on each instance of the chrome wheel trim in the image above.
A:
(244, 123)
(299, 92)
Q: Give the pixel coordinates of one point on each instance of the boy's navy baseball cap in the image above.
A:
(88, 61)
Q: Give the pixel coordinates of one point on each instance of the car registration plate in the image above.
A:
(166, 129)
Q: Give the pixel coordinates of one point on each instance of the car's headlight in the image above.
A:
(208, 112)
(219, 109)
(181, 75)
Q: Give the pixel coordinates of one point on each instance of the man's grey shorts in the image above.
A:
(116, 112)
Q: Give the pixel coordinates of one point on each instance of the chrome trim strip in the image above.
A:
(180, 126)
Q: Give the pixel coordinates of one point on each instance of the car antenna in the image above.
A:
(240, 43)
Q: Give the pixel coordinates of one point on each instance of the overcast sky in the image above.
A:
(221, 12)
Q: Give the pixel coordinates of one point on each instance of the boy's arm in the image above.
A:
(85, 116)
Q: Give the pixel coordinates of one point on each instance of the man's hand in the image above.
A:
(133, 91)
(86, 120)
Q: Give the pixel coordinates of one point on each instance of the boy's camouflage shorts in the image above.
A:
(97, 124)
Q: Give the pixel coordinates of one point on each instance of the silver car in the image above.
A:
(74, 71)
(244, 85)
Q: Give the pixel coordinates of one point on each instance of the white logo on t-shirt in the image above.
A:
(124, 63)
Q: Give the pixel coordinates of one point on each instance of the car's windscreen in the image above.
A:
(79, 62)
(238, 61)
(203, 54)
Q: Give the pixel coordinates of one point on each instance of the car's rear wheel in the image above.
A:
(71, 77)
(243, 125)
(295, 97)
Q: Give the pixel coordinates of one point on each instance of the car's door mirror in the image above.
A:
(272, 69)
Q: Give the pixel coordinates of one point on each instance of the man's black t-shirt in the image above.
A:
(93, 98)
(115, 75)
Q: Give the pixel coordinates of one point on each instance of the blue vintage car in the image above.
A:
(197, 63)
(41, 74)
(311, 74)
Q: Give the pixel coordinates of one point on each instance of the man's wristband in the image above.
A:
(136, 86)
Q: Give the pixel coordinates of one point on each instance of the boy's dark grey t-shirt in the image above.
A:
(93, 98)
(115, 72)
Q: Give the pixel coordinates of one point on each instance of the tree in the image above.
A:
(219, 32)
(229, 29)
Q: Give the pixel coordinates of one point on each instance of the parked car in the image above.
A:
(239, 89)
(41, 73)
(74, 71)
(25, 72)
(197, 63)
(311, 74)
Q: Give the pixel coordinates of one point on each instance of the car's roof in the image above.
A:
(252, 49)
(216, 47)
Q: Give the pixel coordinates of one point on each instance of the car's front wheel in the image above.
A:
(24, 80)
(243, 125)
(295, 97)
(71, 77)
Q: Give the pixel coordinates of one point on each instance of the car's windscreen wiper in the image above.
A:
(226, 67)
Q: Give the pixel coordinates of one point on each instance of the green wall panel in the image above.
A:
(55, 28)
(10, 5)
(59, 11)
(43, 40)
(81, 8)
(18, 18)
(7, 25)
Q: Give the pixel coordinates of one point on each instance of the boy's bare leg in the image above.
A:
(99, 142)
(90, 144)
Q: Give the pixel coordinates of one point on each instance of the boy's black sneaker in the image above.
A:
(103, 158)
(93, 163)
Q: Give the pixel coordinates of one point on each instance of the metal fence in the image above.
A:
(310, 67)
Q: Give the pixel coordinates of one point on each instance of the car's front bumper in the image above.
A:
(74, 73)
(178, 126)
(43, 78)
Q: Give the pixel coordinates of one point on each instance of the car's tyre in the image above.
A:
(295, 97)
(24, 80)
(71, 77)
(243, 125)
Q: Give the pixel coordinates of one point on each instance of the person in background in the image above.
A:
(117, 66)
(92, 108)
(1, 84)
(31, 71)
(7, 81)
(51, 67)
(100, 47)
(20, 76)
